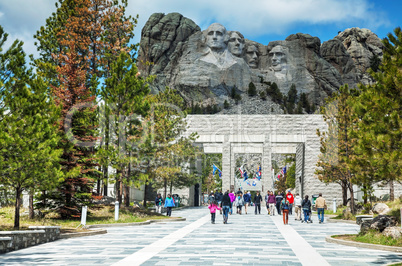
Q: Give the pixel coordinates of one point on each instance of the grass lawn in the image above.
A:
(372, 237)
(96, 215)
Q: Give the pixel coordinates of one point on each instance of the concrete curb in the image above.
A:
(136, 224)
(341, 221)
(330, 239)
(91, 232)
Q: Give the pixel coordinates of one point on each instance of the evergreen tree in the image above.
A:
(226, 104)
(252, 90)
(123, 95)
(379, 109)
(28, 136)
(337, 143)
(375, 63)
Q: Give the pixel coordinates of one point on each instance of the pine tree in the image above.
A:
(123, 95)
(252, 91)
(337, 143)
(28, 136)
(379, 107)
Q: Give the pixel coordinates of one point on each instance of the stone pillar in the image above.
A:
(266, 178)
(226, 166)
(299, 168)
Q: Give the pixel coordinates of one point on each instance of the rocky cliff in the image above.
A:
(210, 67)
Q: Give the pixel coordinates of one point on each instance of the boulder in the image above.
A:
(394, 232)
(381, 222)
(381, 208)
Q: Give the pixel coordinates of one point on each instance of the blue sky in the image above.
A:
(259, 20)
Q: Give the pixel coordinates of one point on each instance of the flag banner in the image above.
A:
(249, 184)
(214, 168)
(220, 174)
(241, 170)
(258, 174)
(284, 170)
(245, 175)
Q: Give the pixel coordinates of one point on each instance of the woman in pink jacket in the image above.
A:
(212, 208)
(232, 199)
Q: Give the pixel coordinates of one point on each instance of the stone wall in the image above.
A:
(15, 240)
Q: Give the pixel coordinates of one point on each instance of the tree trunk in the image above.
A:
(145, 195)
(352, 199)
(344, 194)
(126, 196)
(165, 187)
(121, 193)
(171, 187)
(98, 186)
(17, 208)
(391, 190)
(365, 194)
(31, 207)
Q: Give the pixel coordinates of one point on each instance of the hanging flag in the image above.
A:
(279, 177)
(258, 174)
(245, 175)
(241, 170)
(284, 170)
(214, 168)
(220, 173)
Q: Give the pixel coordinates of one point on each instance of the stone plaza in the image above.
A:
(246, 240)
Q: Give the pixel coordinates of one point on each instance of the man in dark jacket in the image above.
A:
(278, 198)
(226, 204)
(257, 202)
(247, 200)
(218, 198)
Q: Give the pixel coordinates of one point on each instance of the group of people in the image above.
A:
(283, 204)
(169, 202)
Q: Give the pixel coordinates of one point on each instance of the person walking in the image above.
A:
(218, 198)
(211, 197)
(266, 202)
(272, 202)
(226, 205)
(247, 200)
(306, 206)
(320, 204)
(298, 207)
(285, 205)
(278, 200)
(290, 199)
(232, 199)
(239, 203)
(158, 203)
(169, 204)
(257, 202)
(212, 208)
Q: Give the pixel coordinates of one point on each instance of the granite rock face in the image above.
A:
(205, 66)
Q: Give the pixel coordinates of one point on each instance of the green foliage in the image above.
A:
(252, 90)
(237, 98)
(273, 91)
(226, 104)
(210, 182)
(28, 135)
(263, 95)
(374, 237)
(291, 176)
(375, 63)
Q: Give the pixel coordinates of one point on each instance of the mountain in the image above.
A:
(221, 69)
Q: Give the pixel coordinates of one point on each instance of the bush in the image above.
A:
(252, 90)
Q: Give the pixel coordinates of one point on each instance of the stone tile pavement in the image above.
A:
(246, 239)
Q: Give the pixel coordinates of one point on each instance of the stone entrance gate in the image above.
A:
(265, 134)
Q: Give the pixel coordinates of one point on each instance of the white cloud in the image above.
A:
(22, 18)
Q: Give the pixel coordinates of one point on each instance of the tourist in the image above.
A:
(232, 199)
(278, 199)
(320, 204)
(257, 202)
(226, 205)
(211, 197)
(212, 208)
(271, 202)
(239, 192)
(306, 206)
(158, 203)
(285, 206)
(247, 200)
(169, 203)
(239, 203)
(218, 198)
(266, 201)
(290, 199)
(298, 207)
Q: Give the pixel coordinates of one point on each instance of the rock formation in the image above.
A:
(208, 66)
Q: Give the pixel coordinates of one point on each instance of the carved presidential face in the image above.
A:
(216, 36)
(278, 57)
(236, 43)
(252, 56)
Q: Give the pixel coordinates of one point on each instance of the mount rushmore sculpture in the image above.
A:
(205, 66)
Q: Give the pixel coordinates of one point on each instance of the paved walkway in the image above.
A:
(246, 239)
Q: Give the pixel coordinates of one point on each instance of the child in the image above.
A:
(213, 207)
(239, 203)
